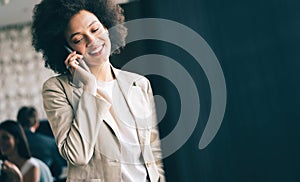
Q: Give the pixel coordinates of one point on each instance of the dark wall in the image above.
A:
(257, 45)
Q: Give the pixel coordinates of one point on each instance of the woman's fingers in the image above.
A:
(71, 61)
(68, 58)
(9, 166)
(82, 73)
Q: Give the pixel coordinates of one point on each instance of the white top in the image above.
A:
(132, 164)
(28, 165)
(45, 174)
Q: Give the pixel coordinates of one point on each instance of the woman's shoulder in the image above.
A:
(56, 81)
(130, 78)
(57, 78)
(32, 161)
(45, 173)
(134, 77)
(29, 164)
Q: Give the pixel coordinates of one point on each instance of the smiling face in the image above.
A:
(7, 143)
(87, 36)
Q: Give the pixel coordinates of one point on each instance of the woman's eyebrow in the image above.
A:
(92, 23)
(76, 33)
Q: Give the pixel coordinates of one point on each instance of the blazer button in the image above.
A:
(148, 164)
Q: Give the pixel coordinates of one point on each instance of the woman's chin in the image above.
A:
(97, 61)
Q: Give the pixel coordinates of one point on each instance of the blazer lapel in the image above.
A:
(133, 95)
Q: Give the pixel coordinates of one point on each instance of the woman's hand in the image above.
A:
(80, 72)
(12, 171)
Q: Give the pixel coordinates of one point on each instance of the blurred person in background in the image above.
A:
(18, 164)
(41, 146)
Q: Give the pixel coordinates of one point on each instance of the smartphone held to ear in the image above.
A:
(80, 61)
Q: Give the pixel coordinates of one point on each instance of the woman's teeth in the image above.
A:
(98, 50)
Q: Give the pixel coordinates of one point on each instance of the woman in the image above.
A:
(41, 146)
(18, 165)
(103, 118)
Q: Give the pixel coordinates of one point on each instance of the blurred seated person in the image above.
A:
(17, 163)
(42, 147)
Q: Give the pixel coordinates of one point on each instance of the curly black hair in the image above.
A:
(51, 17)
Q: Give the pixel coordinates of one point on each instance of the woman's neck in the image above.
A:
(17, 160)
(102, 72)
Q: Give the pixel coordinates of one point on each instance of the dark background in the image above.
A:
(256, 43)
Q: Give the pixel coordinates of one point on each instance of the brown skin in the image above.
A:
(82, 31)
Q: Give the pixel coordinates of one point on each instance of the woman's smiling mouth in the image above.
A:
(97, 51)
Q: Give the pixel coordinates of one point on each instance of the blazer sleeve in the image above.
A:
(154, 137)
(75, 131)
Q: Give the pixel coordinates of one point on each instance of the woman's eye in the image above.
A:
(76, 41)
(95, 30)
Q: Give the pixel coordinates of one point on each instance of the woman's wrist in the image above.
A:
(91, 87)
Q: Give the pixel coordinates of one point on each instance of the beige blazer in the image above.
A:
(87, 140)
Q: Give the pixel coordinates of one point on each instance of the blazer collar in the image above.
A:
(125, 80)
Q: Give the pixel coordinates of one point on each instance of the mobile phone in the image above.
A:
(80, 61)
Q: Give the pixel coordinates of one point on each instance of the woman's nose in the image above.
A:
(90, 39)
